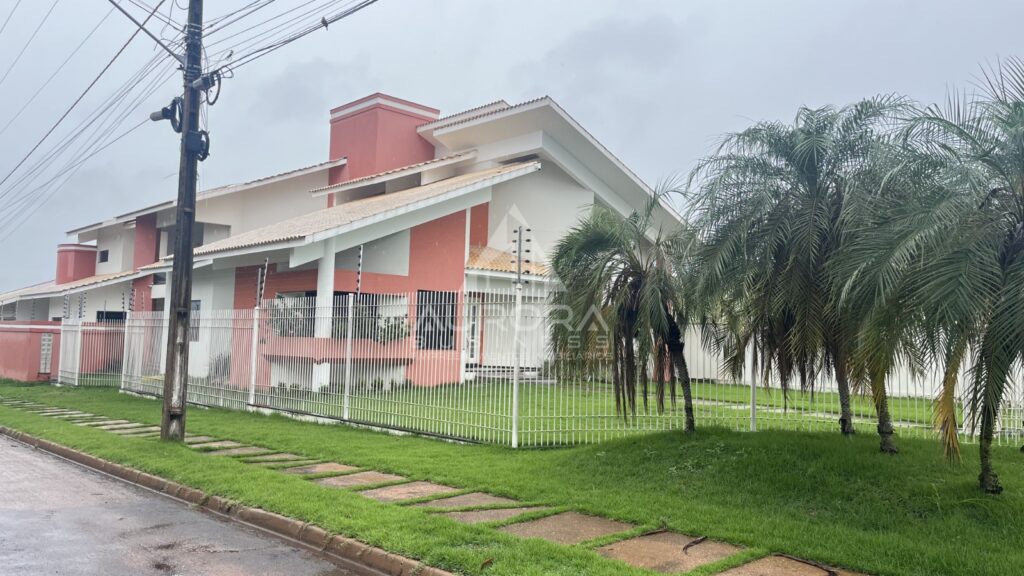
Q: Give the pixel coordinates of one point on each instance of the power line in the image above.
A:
(16, 213)
(261, 52)
(102, 111)
(75, 103)
(30, 39)
(57, 71)
(8, 19)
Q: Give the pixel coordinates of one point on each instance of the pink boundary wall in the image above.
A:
(20, 350)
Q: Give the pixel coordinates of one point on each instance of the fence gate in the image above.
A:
(91, 353)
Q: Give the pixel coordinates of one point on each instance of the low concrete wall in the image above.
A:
(21, 348)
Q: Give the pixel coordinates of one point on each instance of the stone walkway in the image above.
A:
(659, 551)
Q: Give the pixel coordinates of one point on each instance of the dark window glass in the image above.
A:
(435, 320)
(104, 255)
(104, 316)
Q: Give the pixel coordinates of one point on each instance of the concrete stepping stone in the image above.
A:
(106, 422)
(56, 412)
(121, 426)
(467, 500)
(74, 415)
(358, 479)
(567, 528)
(243, 451)
(278, 457)
(410, 491)
(493, 515)
(320, 468)
(198, 439)
(668, 551)
(782, 566)
(284, 465)
(217, 444)
(133, 431)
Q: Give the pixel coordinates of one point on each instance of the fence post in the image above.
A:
(516, 364)
(348, 357)
(253, 352)
(753, 391)
(60, 353)
(124, 347)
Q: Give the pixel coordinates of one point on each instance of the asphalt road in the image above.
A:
(57, 518)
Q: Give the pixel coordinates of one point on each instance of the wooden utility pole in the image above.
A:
(194, 145)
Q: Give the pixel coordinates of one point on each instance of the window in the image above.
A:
(104, 316)
(160, 278)
(435, 320)
(45, 353)
(193, 326)
(9, 311)
(103, 256)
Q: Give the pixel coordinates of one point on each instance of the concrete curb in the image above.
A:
(338, 548)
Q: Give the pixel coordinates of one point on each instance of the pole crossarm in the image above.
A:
(157, 39)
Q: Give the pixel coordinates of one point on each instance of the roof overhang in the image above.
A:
(395, 174)
(381, 224)
(211, 193)
(567, 143)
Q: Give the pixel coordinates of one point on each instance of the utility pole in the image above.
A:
(194, 147)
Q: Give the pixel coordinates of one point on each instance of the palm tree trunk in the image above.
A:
(885, 429)
(843, 384)
(988, 479)
(675, 350)
(629, 377)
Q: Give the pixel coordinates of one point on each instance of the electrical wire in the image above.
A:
(9, 15)
(135, 33)
(265, 50)
(29, 43)
(18, 213)
(55, 72)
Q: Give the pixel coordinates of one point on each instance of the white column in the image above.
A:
(324, 316)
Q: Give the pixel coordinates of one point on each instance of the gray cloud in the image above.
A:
(658, 82)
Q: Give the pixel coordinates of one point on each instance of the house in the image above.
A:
(413, 216)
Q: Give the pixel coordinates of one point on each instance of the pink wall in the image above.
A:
(377, 138)
(478, 223)
(19, 350)
(147, 238)
(74, 262)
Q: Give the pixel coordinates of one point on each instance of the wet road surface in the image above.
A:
(57, 518)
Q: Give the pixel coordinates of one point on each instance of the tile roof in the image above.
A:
(209, 193)
(494, 260)
(349, 213)
(424, 164)
(457, 119)
(52, 288)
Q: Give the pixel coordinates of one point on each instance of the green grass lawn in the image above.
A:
(810, 494)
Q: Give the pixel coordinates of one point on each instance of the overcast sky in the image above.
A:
(657, 82)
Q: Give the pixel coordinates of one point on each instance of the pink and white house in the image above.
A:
(408, 203)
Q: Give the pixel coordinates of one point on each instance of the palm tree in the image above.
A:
(770, 207)
(620, 271)
(954, 247)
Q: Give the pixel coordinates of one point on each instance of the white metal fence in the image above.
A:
(91, 353)
(448, 364)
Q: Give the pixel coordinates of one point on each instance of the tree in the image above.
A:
(955, 248)
(770, 205)
(620, 271)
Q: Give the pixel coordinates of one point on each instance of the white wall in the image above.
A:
(263, 205)
(215, 291)
(120, 242)
(387, 255)
(548, 202)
